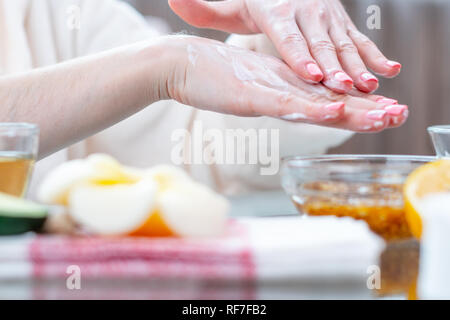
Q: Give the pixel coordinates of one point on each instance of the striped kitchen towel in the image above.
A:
(253, 249)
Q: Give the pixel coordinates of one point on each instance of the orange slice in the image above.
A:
(428, 179)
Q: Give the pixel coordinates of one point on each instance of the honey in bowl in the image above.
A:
(364, 187)
(15, 171)
(384, 212)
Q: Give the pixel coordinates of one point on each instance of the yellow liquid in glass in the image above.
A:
(15, 171)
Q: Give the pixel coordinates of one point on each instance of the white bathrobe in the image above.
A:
(37, 33)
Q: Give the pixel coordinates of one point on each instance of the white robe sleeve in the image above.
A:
(60, 30)
(106, 24)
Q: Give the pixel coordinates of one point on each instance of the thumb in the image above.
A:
(222, 15)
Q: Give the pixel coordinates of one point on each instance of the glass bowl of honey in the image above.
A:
(363, 187)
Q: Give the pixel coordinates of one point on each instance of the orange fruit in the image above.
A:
(431, 178)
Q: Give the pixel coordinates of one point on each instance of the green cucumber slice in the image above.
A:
(19, 215)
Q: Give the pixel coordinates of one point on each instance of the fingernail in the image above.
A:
(335, 106)
(396, 110)
(387, 101)
(376, 114)
(343, 77)
(314, 70)
(393, 64)
(368, 77)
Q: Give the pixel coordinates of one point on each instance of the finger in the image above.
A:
(363, 115)
(355, 114)
(222, 15)
(400, 118)
(287, 105)
(372, 56)
(373, 97)
(321, 92)
(351, 61)
(293, 47)
(397, 113)
(324, 52)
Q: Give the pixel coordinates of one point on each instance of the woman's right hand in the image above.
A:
(214, 76)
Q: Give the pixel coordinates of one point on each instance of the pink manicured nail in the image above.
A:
(343, 77)
(396, 110)
(335, 106)
(376, 114)
(387, 101)
(393, 64)
(368, 77)
(314, 70)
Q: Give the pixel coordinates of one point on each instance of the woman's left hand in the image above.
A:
(316, 38)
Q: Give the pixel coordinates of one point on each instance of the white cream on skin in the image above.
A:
(221, 50)
(378, 124)
(331, 116)
(261, 74)
(294, 117)
(335, 84)
(263, 71)
(265, 75)
(275, 81)
(240, 71)
(193, 55)
(405, 114)
(332, 82)
(375, 125)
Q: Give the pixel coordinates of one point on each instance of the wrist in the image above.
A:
(165, 61)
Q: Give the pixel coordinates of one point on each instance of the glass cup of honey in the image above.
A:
(18, 151)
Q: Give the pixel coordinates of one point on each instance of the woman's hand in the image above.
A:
(214, 76)
(316, 38)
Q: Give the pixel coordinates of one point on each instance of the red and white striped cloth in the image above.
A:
(252, 251)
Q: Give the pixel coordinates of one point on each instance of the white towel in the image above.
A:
(311, 250)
